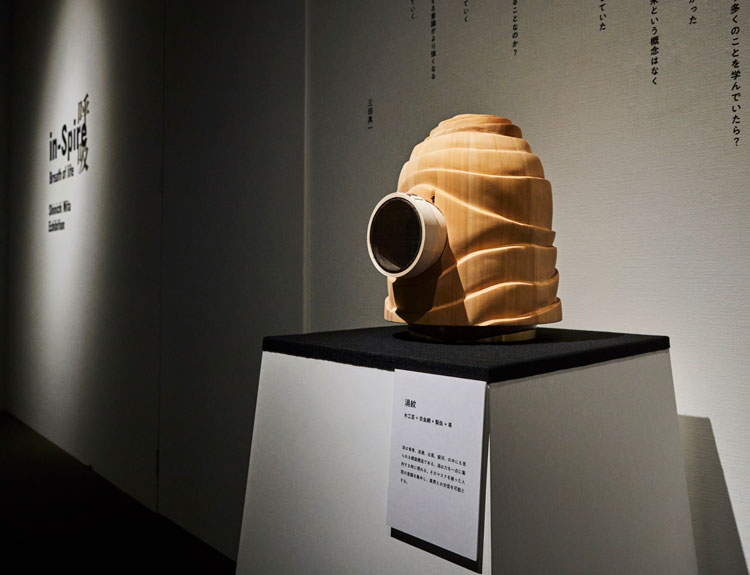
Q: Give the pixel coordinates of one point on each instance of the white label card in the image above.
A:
(436, 471)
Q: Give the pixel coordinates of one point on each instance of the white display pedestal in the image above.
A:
(585, 471)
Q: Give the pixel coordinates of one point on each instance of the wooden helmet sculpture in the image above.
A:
(466, 240)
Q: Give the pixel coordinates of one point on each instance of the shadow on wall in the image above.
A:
(717, 541)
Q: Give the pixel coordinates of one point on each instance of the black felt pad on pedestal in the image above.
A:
(392, 348)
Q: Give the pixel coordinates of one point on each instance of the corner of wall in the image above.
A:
(306, 182)
(5, 56)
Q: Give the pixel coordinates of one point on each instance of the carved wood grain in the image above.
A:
(498, 267)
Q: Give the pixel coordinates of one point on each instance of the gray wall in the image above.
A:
(232, 269)
(139, 326)
(84, 301)
(5, 60)
(650, 190)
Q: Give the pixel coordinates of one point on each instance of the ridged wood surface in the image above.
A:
(498, 267)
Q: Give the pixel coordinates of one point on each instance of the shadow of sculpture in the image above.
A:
(717, 541)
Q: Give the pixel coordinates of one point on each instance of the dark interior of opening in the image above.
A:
(395, 235)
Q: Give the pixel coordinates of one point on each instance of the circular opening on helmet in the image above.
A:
(395, 235)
